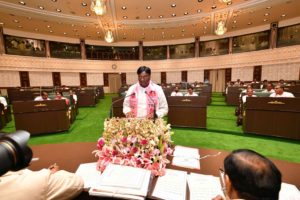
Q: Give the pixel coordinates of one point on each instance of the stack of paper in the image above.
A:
(203, 187)
(186, 157)
(171, 186)
(122, 182)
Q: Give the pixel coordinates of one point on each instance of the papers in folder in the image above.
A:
(89, 173)
(122, 182)
(186, 157)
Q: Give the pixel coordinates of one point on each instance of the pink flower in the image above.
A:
(124, 140)
(114, 152)
(100, 143)
(144, 142)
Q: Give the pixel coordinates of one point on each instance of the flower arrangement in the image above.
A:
(135, 142)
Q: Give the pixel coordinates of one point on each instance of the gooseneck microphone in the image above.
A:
(116, 101)
(154, 107)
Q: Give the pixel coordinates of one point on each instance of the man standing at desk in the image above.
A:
(145, 99)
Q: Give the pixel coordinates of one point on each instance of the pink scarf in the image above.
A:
(151, 98)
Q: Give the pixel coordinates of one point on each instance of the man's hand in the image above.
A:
(54, 168)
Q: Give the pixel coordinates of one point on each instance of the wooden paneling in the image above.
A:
(184, 77)
(56, 79)
(206, 74)
(105, 79)
(163, 77)
(24, 79)
(123, 78)
(257, 72)
(83, 79)
(227, 75)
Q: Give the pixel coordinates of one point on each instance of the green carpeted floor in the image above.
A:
(221, 133)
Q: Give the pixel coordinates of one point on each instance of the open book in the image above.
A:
(122, 182)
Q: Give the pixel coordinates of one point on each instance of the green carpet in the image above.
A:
(221, 133)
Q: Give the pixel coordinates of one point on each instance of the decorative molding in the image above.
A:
(277, 56)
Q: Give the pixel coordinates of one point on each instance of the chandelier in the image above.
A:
(98, 6)
(221, 29)
(109, 36)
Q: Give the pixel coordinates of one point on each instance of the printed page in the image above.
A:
(186, 157)
(204, 187)
(171, 186)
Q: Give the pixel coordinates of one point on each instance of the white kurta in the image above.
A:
(284, 94)
(162, 106)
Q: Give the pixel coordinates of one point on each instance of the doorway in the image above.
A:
(217, 79)
(114, 82)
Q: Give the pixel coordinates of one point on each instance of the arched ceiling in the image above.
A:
(142, 20)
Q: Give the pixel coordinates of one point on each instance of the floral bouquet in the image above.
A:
(135, 142)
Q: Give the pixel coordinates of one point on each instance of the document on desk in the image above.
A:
(186, 157)
(89, 174)
(203, 186)
(171, 186)
(122, 182)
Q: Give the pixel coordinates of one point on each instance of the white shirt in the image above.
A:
(162, 106)
(245, 97)
(3, 101)
(176, 94)
(191, 95)
(284, 94)
(74, 98)
(266, 91)
(40, 98)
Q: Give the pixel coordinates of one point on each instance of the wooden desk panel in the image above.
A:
(187, 111)
(273, 116)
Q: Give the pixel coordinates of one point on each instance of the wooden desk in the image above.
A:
(70, 155)
(233, 94)
(39, 117)
(117, 107)
(187, 111)
(86, 98)
(273, 116)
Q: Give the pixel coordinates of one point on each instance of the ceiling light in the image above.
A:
(182, 30)
(214, 7)
(58, 10)
(148, 16)
(109, 36)
(160, 16)
(98, 6)
(22, 3)
(148, 7)
(173, 15)
(125, 17)
(54, 0)
(269, 7)
(221, 29)
(225, 1)
(283, 15)
(182, 35)
(200, 1)
(29, 18)
(199, 11)
(84, 4)
(124, 8)
(185, 13)
(51, 31)
(229, 3)
(234, 21)
(267, 14)
(16, 21)
(249, 23)
(65, 33)
(48, 26)
(20, 26)
(88, 14)
(265, 20)
(98, 32)
(41, 7)
(173, 5)
(36, 29)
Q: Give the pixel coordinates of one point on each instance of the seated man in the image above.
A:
(249, 175)
(176, 92)
(74, 96)
(249, 93)
(280, 93)
(191, 92)
(43, 97)
(269, 88)
(4, 102)
(49, 183)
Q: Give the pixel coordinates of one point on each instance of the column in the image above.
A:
(197, 48)
(168, 52)
(48, 55)
(82, 48)
(230, 43)
(273, 34)
(141, 55)
(2, 47)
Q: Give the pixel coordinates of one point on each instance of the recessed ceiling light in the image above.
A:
(51, 31)
(249, 23)
(125, 17)
(148, 7)
(160, 16)
(124, 7)
(58, 10)
(173, 5)
(54, 0)
(193, 34)
(200, 1)
(186, 13)
(265, 20)
(29, 18)
(162, 32)
(269, 7)
(22, 3)
(36, 29)
(267, 14)
(20, 26)
(88, 36)
(205, 27)
(84, 4)
(214, 7)
(182, 35)
(98, 32)
(233, 26)
(199, 11)
(182, 30)
(16, 21)
(234, 21)
(65, 33)
(229, 3)
(84, 26)
(48, 26)
(88, 14)
(148, 16)
(204, 32)
(173, 15)
(283, 15)
(41, 7)
(72, 25)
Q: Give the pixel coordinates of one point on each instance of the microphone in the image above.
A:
(154, 112)
(116, 101)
